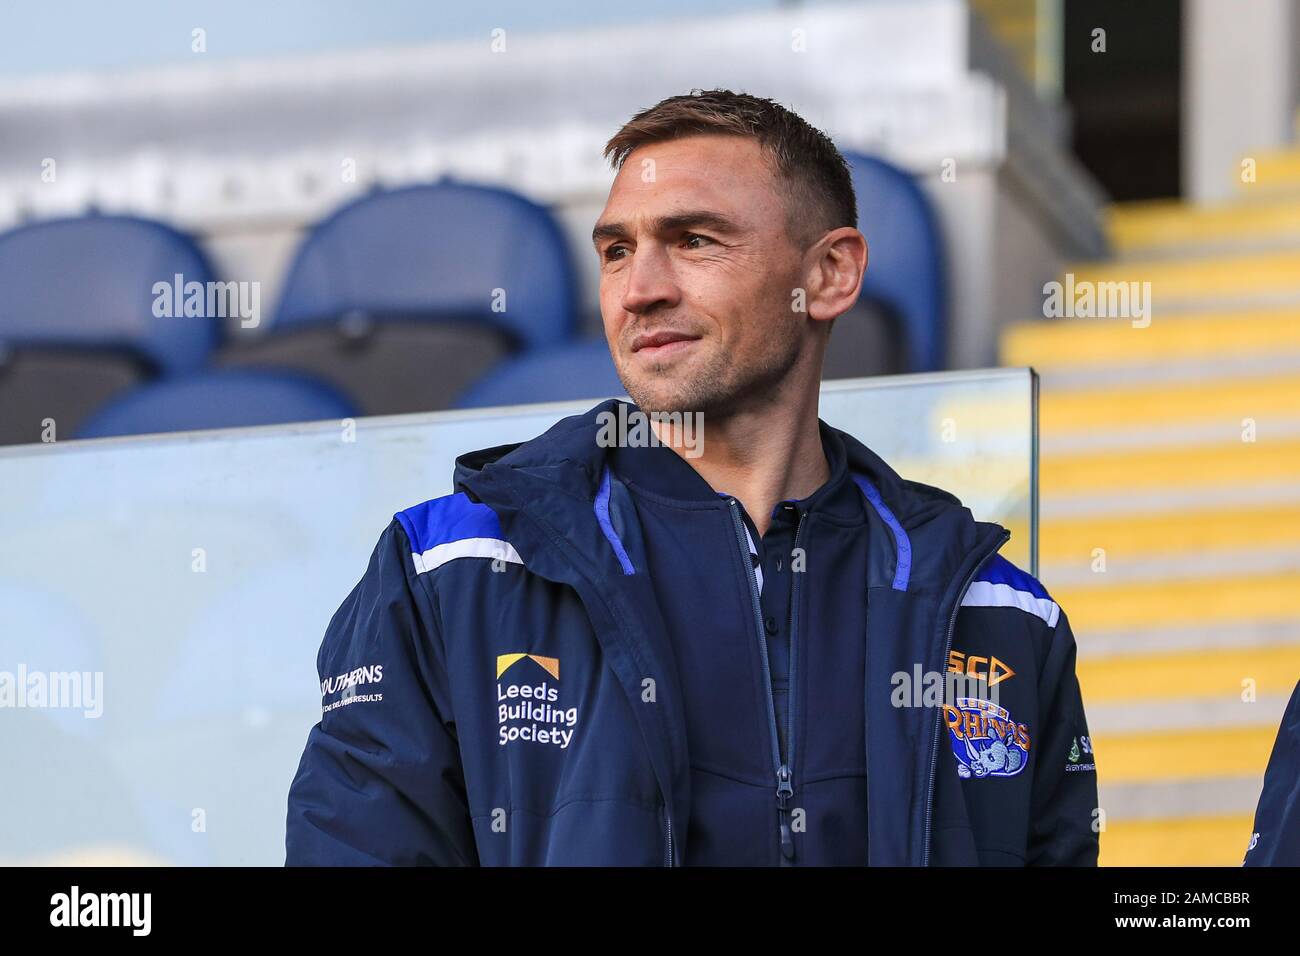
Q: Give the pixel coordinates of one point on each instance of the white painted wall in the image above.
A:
(1241, 82)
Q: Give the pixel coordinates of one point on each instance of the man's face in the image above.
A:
(697, 274)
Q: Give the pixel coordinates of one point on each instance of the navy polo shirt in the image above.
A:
(692, 552)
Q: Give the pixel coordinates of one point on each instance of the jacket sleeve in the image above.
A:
(1275, 838)
(1064, 827)
(380, 781)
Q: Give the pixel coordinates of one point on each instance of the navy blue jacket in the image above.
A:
(498, 688)
(1276, 837)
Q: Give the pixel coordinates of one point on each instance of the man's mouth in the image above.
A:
(662, 343)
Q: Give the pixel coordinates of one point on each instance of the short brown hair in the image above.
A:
(821, 187)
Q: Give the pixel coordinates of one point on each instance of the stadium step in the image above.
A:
(1186, 841)
(1192, 282)
(1088, 348)
(1096, 354)
(1153, 536)
(1163, 227)
(1276, 175)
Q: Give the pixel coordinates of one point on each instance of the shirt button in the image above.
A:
(770, 624)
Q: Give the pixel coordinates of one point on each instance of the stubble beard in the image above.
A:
(713, 385)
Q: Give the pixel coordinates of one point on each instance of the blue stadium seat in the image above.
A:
(566, 372)
(404, 298)
(88, 284)
(225, 399)
(436, 252)
(906, 262)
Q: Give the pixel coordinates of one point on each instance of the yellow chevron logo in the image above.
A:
(549, 664)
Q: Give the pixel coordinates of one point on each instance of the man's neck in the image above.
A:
(761, 456)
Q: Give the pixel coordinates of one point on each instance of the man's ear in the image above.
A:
(836, 264)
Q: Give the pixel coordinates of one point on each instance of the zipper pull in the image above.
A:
(784, 791)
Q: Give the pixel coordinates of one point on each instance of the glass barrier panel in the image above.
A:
(162, 598)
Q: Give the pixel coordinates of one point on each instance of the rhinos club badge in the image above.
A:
(985, 739)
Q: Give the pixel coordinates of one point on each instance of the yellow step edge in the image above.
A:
(1184, 532)
(1146, 225)
(1186, 278)
(1187, 841)
(1068, 343)
(1122, 408)
(1225, 400)
(1179, 603)
(1216, 674)
(1180, 467)
(1191, 755)
(1274, 169)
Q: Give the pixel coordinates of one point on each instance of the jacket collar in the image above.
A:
(567, 454)
(664, 473)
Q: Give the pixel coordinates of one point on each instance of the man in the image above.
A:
(614, 652)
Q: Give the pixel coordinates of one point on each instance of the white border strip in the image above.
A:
(465, 548)
(988, 594)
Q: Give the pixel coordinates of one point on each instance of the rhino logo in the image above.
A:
(986, 740)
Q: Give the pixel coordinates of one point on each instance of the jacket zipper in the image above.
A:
(938, 717)
(668, 832)
(787, 846)
(784, 776)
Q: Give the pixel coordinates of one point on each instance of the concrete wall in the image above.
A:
(1241, 84)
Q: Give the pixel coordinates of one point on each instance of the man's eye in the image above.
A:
(612, 253)
(694, 240)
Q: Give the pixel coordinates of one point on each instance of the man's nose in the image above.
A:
(650, 280)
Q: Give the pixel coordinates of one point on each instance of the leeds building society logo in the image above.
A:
(985, 739)
(528, 711)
